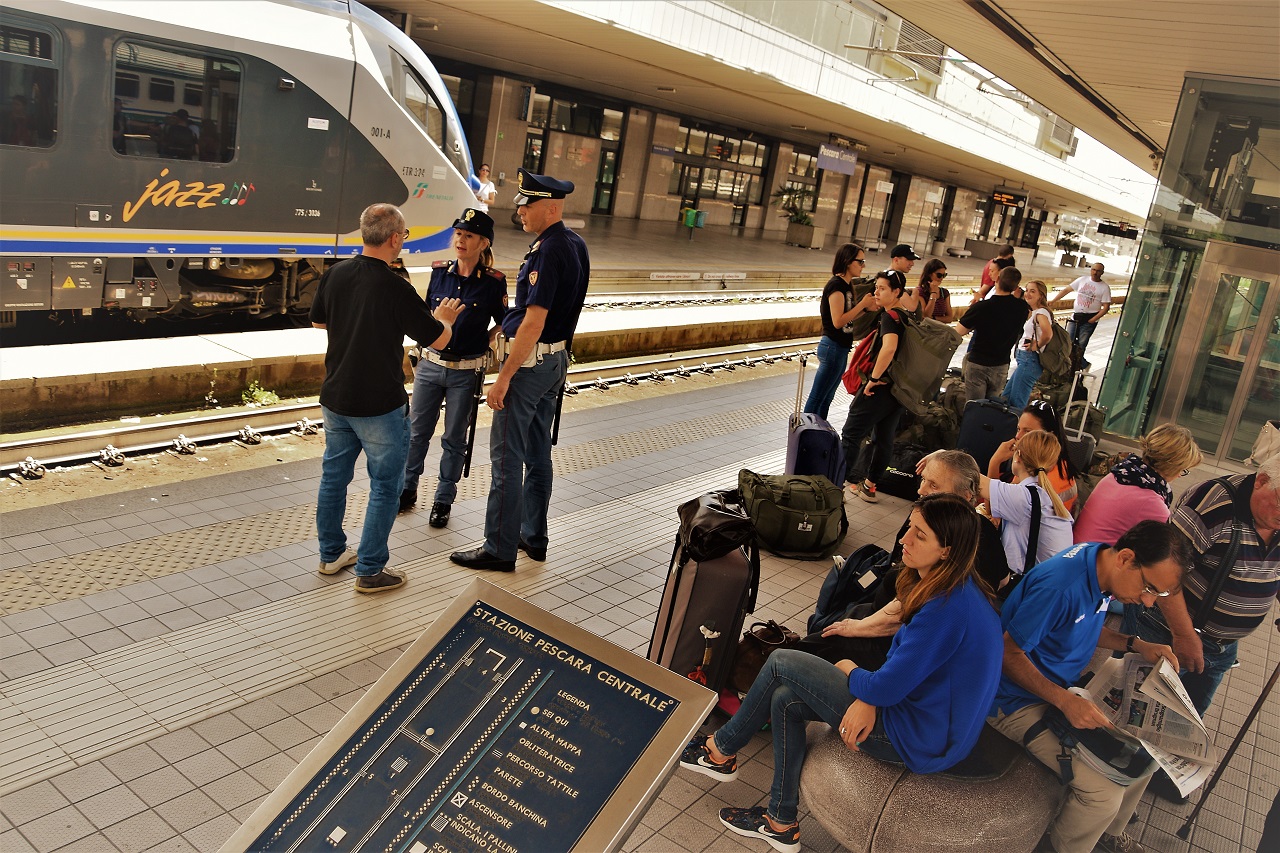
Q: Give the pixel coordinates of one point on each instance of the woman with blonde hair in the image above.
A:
(1137, 487)
(1036, 334)
(1014, 504)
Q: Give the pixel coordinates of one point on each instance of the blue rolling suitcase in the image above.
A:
(985, 426)
(813, 447)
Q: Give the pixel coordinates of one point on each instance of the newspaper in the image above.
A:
(1147, 704)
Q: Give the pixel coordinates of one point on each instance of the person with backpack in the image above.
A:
(1053, 622)
(923, 709)
(846, 318)
(1037, 331)
(874, 411)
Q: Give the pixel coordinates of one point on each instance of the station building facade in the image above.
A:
(640, 161)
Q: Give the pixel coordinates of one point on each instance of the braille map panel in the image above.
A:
(500, 739)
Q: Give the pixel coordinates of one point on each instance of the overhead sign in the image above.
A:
(836, 159)
(502, 728)
(1007, 199)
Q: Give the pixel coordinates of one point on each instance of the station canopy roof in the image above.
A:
(1113, 69)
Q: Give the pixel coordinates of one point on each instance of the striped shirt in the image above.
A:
(1205, 515)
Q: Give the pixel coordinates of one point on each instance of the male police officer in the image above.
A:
(550, 290)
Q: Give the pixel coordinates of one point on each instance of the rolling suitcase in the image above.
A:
(711, 585)
(813, 447)
(1081, 441)
(985, 425)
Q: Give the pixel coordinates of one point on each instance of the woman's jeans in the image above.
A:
(792, 689)
(1017, 391)
(832, 361)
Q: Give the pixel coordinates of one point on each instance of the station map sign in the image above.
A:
(503, 728)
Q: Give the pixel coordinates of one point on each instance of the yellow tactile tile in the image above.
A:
(116, 576)
(14, 579)
(23, 598)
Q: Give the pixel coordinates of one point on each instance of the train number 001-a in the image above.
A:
(380, 132)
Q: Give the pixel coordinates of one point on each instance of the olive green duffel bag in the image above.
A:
(794, 515)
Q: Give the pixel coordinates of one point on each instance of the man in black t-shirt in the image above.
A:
(367, 311)
(996, 324)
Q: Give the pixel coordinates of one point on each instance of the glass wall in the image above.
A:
(712, 163)
(1219, 187)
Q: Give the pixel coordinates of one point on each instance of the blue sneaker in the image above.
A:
(754, 823)
(697, 757)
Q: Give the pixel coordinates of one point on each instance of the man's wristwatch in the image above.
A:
(1128, 647)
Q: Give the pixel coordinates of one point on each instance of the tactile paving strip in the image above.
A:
(140, 691)
(110, 568)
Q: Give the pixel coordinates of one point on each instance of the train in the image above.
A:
(163, 160)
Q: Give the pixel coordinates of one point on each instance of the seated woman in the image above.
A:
(866, 633)
(924, 708)
(1039, 414)
(1137, 488)
(1035, 453)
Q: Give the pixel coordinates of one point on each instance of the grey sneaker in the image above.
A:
(347, 560)
(384, 581)
(1122, 843)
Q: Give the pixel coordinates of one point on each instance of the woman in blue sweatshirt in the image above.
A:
(924, 708)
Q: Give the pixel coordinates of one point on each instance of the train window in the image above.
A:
(28, 88)
(203, 128)
(127, 85)
(161, 90)
(423, 105)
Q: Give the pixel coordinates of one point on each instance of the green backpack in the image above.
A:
(862, 324)
(924, 352)
(1055, 356)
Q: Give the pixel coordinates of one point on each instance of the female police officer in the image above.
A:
(453, 375)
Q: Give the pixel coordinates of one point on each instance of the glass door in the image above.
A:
(603, 202)
(1225, 378)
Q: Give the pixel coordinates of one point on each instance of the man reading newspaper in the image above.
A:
(1053, 622)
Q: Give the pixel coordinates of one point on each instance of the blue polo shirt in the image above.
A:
(484, 297)
(1055, 615)
(554, 276)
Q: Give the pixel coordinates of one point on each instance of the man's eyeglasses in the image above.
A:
(1148, 589)
(406, 233)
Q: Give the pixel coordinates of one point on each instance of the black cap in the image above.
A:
(477, 222)
(902, 250)
(535, 187)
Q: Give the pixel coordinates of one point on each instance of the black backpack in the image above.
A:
(849, 583)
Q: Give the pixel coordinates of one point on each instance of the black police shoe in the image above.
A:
(539, 554)
(482, 560)
(439, 514)
(408, 498)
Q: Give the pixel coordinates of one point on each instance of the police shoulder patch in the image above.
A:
(438, 265)
(533, 278)
(498, 274)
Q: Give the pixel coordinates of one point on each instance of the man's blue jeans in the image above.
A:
(1017, 391)
(1080, 330)
(520, 455)
(792, 689)
(385, 442)
(432, 385)
(832, 361)
(1219, 657)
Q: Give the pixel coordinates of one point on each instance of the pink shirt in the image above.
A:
(1112, 509)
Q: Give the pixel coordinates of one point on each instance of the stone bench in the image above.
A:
(958, 253)
(999, 798)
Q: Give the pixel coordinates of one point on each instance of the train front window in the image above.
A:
(174, 104)
(28, 88)
(423, 105)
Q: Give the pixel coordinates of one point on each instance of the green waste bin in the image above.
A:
(689, 217)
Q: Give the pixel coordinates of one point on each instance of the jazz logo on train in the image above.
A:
(192, 194)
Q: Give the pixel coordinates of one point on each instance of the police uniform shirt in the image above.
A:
(554, 276)
(484, 298)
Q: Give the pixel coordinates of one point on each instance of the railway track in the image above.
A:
(28, 457)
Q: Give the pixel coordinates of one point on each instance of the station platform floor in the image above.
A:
(169, 652)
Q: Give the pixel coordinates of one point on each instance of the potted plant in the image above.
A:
(793, 203)
(1069, 243)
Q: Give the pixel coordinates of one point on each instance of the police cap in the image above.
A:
(536, 187)
(477, 222)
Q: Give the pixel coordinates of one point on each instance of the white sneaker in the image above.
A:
(346, 561)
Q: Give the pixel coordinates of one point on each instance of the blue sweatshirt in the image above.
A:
(936, 687)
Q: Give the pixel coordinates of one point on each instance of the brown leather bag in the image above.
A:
(757, 643)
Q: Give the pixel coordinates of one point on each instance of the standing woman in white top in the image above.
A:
(1036, 334)
(486, 195)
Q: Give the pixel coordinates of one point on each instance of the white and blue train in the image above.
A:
(175, 160)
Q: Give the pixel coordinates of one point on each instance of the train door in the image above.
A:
(1224, 381)
(605, 177)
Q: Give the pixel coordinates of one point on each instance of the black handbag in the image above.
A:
(758, 642)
